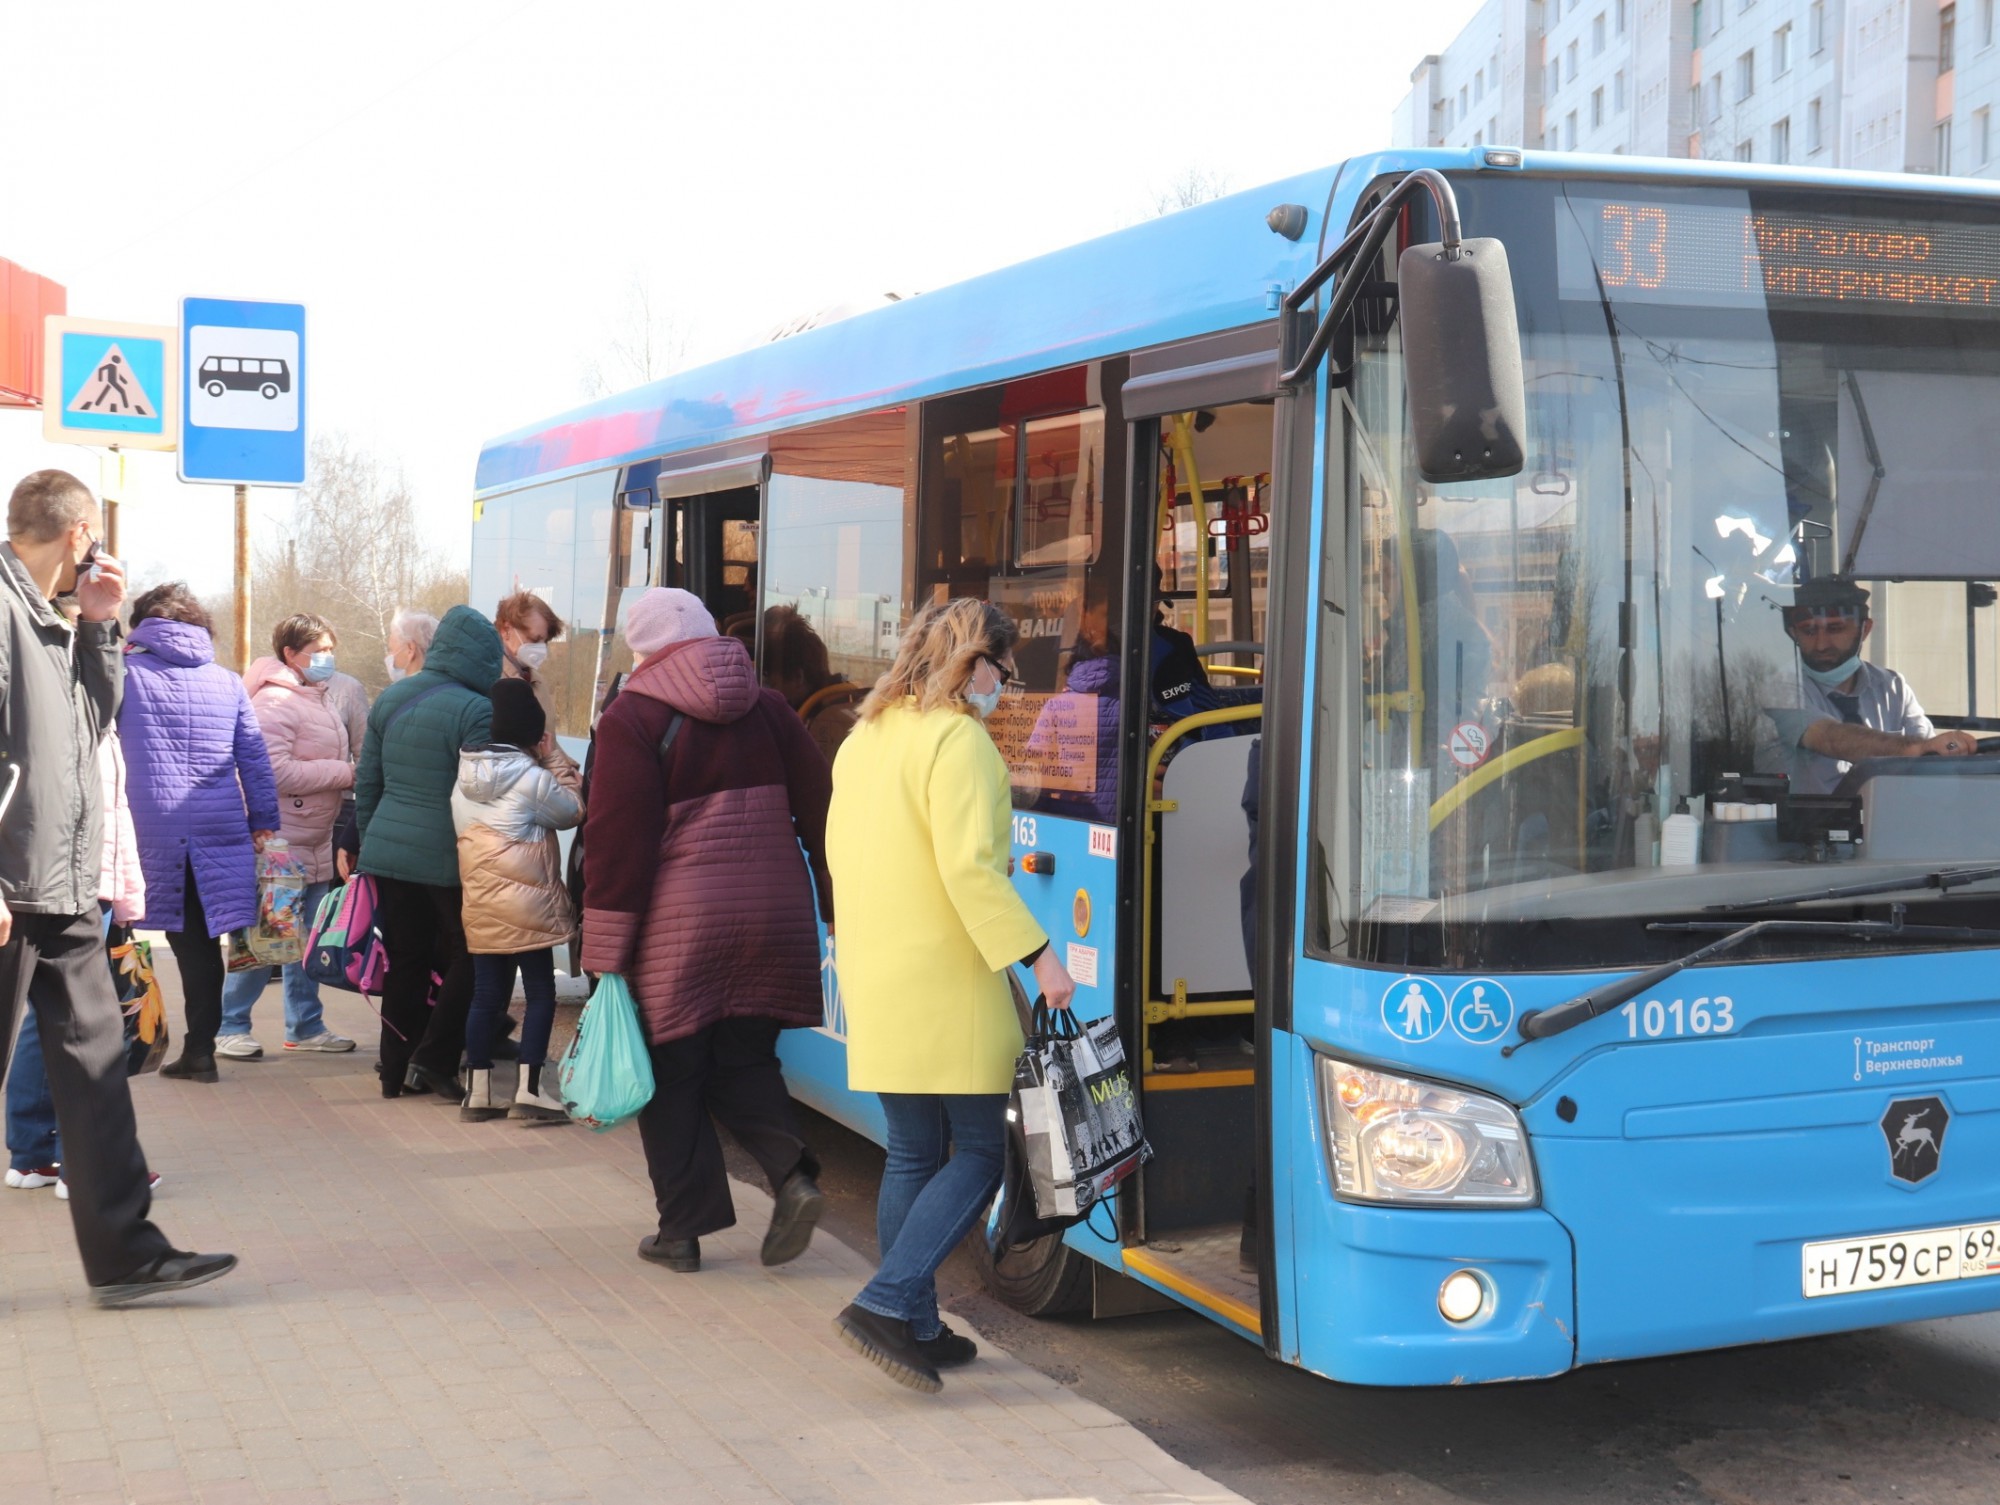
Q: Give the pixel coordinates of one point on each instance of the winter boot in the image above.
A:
(484, 1097)
(534, 1104)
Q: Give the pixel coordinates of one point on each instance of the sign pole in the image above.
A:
(242, 578)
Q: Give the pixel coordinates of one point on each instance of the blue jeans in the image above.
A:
(493, 986)
(303, 1017)
(944, 1165)
(32, 1141)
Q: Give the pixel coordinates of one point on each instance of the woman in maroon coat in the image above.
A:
(703, 789)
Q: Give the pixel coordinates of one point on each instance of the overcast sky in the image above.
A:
(462, 194)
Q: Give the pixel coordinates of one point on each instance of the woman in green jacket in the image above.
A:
(919, 841)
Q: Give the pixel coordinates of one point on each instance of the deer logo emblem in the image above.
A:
(1914, 1129)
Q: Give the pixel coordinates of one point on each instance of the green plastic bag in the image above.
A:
(607, 1075)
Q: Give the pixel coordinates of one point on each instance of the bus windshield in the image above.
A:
(1755, 519)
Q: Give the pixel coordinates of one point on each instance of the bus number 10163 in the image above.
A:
(1654, 1020)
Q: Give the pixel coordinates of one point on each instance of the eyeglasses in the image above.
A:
(1009, 680)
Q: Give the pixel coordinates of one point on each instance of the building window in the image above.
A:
(1596, 109)
(1717, 14)
(1597, 35)
(1479, 85)
(1982, 135)
(1947, 37)
(1985, 23)
(1619, 14)
(1569, 132)
(1744, 152)
(1479, 138)
(1714, 96)
(1746, 75)
(1493, 129)
(1694, 13)
(1814, 141)
(1462, 106)
(1618, 91)
(1781, 51)
(1944, 146)
(1816, 26)
(1569, 63)
(1781, 141)
(1555, 76)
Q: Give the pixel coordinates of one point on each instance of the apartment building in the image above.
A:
(1888, 85)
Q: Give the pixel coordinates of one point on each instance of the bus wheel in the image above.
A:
(214, 389)
(1044, 1279)
(270, 390)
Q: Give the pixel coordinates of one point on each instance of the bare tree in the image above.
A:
(352, 553)
(1194, 185)
(642, 341)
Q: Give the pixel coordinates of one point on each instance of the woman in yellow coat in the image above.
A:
(918, 839)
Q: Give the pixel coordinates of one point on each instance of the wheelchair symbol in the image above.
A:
(1481, 1011)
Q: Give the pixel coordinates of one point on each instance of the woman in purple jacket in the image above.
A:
(203, 800)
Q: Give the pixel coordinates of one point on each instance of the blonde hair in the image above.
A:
(941, 648)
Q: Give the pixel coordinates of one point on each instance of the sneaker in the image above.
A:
(325, 1040)
(948, 1349)
(238, 1048)
(30, 1180)
(62, 1187)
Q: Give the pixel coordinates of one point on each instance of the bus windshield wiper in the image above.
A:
(1944, 880)
(1539, 1024)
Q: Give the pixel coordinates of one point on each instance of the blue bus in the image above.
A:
(1467, 500)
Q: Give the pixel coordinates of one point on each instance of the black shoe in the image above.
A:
(682, 1254)
(886, 1343)
(426, 1080)
(192, 1068)
(176, 1270)
(793, 1216)
(948, 1349)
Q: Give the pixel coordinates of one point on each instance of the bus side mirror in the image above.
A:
(1462, 362)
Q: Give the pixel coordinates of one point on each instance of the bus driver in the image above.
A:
(1845, 709)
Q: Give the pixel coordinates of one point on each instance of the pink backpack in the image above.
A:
(346, 949)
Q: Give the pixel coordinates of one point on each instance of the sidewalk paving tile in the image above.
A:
(430, 1311)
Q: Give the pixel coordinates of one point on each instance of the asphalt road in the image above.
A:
(1901, 1414)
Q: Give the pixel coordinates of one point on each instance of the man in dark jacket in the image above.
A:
(402, 798)
(59, 690)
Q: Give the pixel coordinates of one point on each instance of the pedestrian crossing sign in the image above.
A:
(111, 384)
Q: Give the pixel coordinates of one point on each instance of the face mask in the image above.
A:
(532, 655)
(1835, 675)
(984, 702)
(319, 668)
(396, 670)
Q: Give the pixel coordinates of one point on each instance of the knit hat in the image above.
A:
(664, 615)
(518, 719)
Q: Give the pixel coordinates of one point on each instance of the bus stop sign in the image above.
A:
(243, 392)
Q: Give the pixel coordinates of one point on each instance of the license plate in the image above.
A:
(1883, 1261)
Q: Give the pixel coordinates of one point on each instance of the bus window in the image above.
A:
(833, 560)
(1017, 500)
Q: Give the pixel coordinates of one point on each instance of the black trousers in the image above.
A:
(425, 936)
(83, 1044)
(727, 1074)
(199, 957)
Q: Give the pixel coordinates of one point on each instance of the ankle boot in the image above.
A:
(533, 1102)
(481, 1103)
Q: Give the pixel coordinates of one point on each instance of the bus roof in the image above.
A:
(1204, 269)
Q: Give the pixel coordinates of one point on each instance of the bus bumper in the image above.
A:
(1367, 1282)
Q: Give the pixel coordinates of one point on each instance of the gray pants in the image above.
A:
(83, 1043)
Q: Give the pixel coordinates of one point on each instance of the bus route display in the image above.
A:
(1740, 256)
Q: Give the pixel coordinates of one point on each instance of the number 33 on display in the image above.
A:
(1653, 1019)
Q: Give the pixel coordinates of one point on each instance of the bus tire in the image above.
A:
(1044, 1279)
(270, 391)
(214, 389)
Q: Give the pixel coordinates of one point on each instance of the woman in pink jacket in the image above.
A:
(307, 739)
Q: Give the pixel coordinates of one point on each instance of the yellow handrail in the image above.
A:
(1184, 461)
(1238, 671)
(1149, 840)
(1499, 768)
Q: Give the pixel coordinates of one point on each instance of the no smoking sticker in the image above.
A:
(1468, 744)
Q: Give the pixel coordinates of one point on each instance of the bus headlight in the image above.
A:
(1398, 1139)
